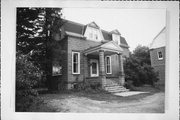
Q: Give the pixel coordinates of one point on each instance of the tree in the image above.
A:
(33, 50)
(142, 54)
(138, 68)
(34, 35)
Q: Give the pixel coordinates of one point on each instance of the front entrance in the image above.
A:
(94, 68)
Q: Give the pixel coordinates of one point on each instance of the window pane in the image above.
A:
(96, 36)
(90, 35)
(75, 68)
(94, 68)
(108, 69)
(107, 60)
(108, 65)
(160, 54)
(116, 38)
(75, 58)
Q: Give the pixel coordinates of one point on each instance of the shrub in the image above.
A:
(138, 69)
(27, 76)
(129, 85)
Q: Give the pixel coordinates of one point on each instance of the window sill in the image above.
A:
(109, 73)
(76, 73)
(160, 58)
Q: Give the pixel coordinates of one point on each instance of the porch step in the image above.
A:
(110, 82)
(113, 87)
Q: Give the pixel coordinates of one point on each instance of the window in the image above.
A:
(93, 33)
(94, 68)
(160, 56)
(96, 36)
(108, 65)
(75, 62)
(116, 38)
(56, 68)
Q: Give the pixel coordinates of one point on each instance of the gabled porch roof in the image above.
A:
(108, 48)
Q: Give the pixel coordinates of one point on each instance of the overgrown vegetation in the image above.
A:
(93, 87)
(138, 68)
(33, 53)
(27, 76)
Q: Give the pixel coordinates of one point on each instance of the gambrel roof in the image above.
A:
(93, 24)
(77, 28)
(116, 32)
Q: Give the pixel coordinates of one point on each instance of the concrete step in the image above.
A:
(117, 88)
(109, 85)
(114, 89)
(117, 91)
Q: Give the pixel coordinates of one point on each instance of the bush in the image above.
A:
(88, 87)
(27, 76)
(138, 69)
(129, 85)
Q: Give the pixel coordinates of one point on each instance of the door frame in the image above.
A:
(97, 68)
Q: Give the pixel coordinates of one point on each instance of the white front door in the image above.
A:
(94, 68)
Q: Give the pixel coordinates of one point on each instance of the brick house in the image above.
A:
(157, 54)
(92, 56)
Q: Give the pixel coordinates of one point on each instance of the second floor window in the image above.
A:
(93, 33)
(116, 38)
(160, 55)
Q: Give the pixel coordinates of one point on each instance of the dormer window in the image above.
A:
(90, 35)
(116, 38)
(93, 33)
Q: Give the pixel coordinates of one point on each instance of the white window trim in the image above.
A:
(78, 62)
(158, 55)
(118, 40)
(110, 65)
(94, 75)
(94, 31)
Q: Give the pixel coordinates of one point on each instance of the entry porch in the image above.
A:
(100, 64)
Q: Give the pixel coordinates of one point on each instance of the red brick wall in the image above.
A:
(154, 56)
(161, 70)
(158, 65)
(79, 45)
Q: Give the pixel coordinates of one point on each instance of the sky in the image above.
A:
(138, 26)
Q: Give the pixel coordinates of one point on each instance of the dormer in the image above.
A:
(116, 36)
(93, 32)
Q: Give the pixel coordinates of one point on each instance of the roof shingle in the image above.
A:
(78, 28)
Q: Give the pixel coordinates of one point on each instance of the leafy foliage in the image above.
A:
(34, 36)
(138, 68)
(34, 33)
(27, 76)
(33, 51)
(142, 54)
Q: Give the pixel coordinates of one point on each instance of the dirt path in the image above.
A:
(150, 104)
